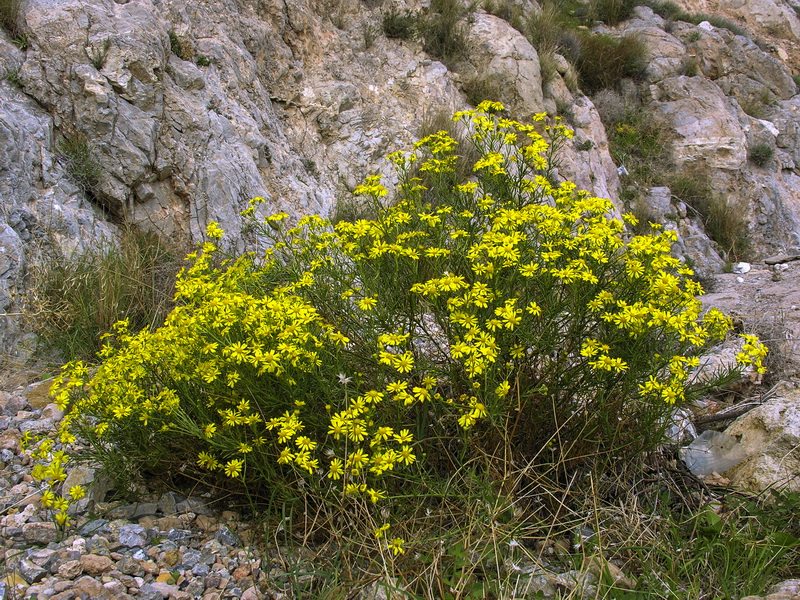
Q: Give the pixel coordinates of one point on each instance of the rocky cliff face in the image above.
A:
(187, 110)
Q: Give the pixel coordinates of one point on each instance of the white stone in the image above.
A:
(741, 268)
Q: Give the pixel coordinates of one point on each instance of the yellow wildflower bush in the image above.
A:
(499, 316)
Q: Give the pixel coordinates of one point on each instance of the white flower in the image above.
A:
(344, 379)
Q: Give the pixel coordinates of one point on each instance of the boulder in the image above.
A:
(769, 16)
(723, 55)
(706, 125)
(499, 51)
(770, 434)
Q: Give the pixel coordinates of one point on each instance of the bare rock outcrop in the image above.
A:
(707, 126)
(763, 16)
(511, 61)
(722, 98)
(40, 207)
(190, 112)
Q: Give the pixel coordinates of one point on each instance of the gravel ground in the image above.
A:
(165, 547)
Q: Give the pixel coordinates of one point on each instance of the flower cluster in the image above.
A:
(49, 468)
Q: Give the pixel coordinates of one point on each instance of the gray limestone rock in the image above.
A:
(770, 434)
(706, 125)
(133, 536)
(499, 51)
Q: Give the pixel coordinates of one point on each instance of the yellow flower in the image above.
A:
(375, 495)
(213, 230)
(204, 459)
(335, 470)
(403, 437)
(406, 455)
(606, 363)
(304, 443)
(371, 187)
(357, 459)
(60, 504)
(502, 389)
(396, 546)
(234, 467)
(286, 456)
(373, 396)
(367, 303)
(381, 531)
(403, 362)
(396, 386)
(76, 492)
(48, 497)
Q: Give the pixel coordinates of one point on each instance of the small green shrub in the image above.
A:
(611, 12)
(351, 210)
(730, 548)
(667, 10)
(690, 66)
(201, 60)
(98, 55)
(642, 143)
(399, 25)
(758, 105)
(10, 17)
(565, 109)
(181, 46)
(443, 34)
(673, 12)
(604, 60)
(310, 166)
(12, 76)
(761, 154)
(370, 33)
(84, 170)
(720, 22)
(509, 11)
(724, 222)
(613, 108)
(21, 41)
(436, 121)
(75, 299)
(545, 28)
